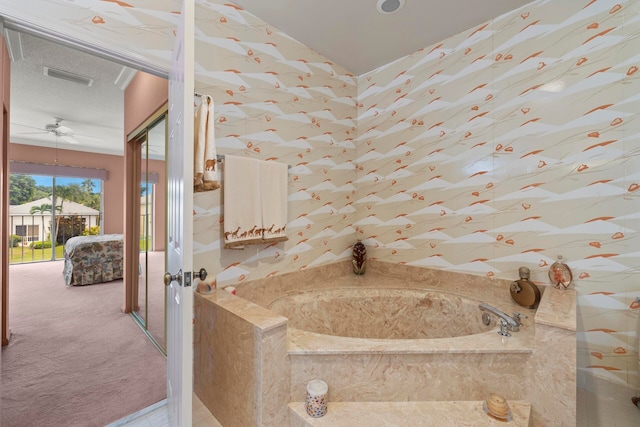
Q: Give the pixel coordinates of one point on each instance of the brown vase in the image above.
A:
(359, 257)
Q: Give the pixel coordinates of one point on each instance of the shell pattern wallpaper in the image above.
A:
(504, 146)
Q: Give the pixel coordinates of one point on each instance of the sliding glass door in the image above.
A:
(149, 294)
(45, 211)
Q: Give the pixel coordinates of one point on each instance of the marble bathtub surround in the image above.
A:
(536, 364)
(247, 384)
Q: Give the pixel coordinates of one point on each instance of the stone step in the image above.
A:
(408, 414)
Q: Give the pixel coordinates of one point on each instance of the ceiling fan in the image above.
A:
(61, 132)
(57, 128)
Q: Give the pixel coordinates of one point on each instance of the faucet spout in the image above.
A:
(512, 323)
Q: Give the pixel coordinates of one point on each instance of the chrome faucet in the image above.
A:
(507, 323)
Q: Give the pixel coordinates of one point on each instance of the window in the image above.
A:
(29, 233)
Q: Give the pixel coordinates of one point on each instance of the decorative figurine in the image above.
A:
(524, 291)
(560, 274)
(359, 257)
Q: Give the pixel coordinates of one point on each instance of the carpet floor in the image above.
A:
(74, 359)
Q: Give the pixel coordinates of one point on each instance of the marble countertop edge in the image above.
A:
(260, 317)
(304, 342)
(557, 309)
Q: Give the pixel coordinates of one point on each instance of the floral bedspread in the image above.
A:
(93, 259)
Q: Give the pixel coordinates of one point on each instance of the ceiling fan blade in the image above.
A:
(63, 130)
(88, 137)
(29, 127)
(69, 139)
(44, 132)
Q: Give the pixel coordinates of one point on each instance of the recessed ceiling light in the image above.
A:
(389, 6)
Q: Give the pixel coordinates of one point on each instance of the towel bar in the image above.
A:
(220, 158)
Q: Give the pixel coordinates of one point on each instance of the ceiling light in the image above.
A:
(389, 6)
(65, 75)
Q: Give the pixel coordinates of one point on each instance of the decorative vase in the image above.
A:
(359, 257)
(560, 274)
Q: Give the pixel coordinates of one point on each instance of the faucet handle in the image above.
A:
(517, 316)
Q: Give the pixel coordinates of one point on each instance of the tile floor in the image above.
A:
(158, 416)
(604, 404)
(610, 406)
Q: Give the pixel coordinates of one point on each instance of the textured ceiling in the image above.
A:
(94, 114)
(356, 36)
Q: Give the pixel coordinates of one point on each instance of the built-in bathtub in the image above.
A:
(388, 313)
(384, 336)
(422, 356)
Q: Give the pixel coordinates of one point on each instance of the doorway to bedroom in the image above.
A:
(73, 357)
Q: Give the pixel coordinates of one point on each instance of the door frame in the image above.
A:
(74, 43)
(5, 73)
(179, 249)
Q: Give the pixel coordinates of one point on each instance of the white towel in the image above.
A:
(205, 159)
(242, 201)
(255, 202)
(210, 155)
(200, 126)
(273, 179)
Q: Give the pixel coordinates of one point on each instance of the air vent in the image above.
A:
(65, 75)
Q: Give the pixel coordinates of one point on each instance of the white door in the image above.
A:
(180, 223)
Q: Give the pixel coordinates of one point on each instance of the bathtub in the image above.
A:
(385, 314)
(396, 334)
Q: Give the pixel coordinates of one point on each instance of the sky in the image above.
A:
(46, 181)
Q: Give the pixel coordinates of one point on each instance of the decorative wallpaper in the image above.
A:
(501, 147)
(277, 99)
(508, 145)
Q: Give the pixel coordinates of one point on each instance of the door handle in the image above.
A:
(202, 274)
(168, 278)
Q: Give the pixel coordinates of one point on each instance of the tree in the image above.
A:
(42, 209)
(80, 193)
(87, 185)
(42, 191)
(22, 189)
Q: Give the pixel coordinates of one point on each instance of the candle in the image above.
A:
(316, 403)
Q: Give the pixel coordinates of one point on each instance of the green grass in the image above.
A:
(145, 244)
(26, 254)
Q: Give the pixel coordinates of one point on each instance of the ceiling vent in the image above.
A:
(65, 75)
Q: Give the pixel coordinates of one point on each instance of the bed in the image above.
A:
(93, 259)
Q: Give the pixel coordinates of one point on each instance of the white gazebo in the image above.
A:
(32, 220)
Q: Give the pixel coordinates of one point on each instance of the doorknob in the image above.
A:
(202, 274)
(168, 278)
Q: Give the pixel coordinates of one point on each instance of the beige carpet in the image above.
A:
(74, 358)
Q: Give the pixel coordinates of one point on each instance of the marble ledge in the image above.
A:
(304, 342)
(260, 317)
(557, 308)
(429, 413)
